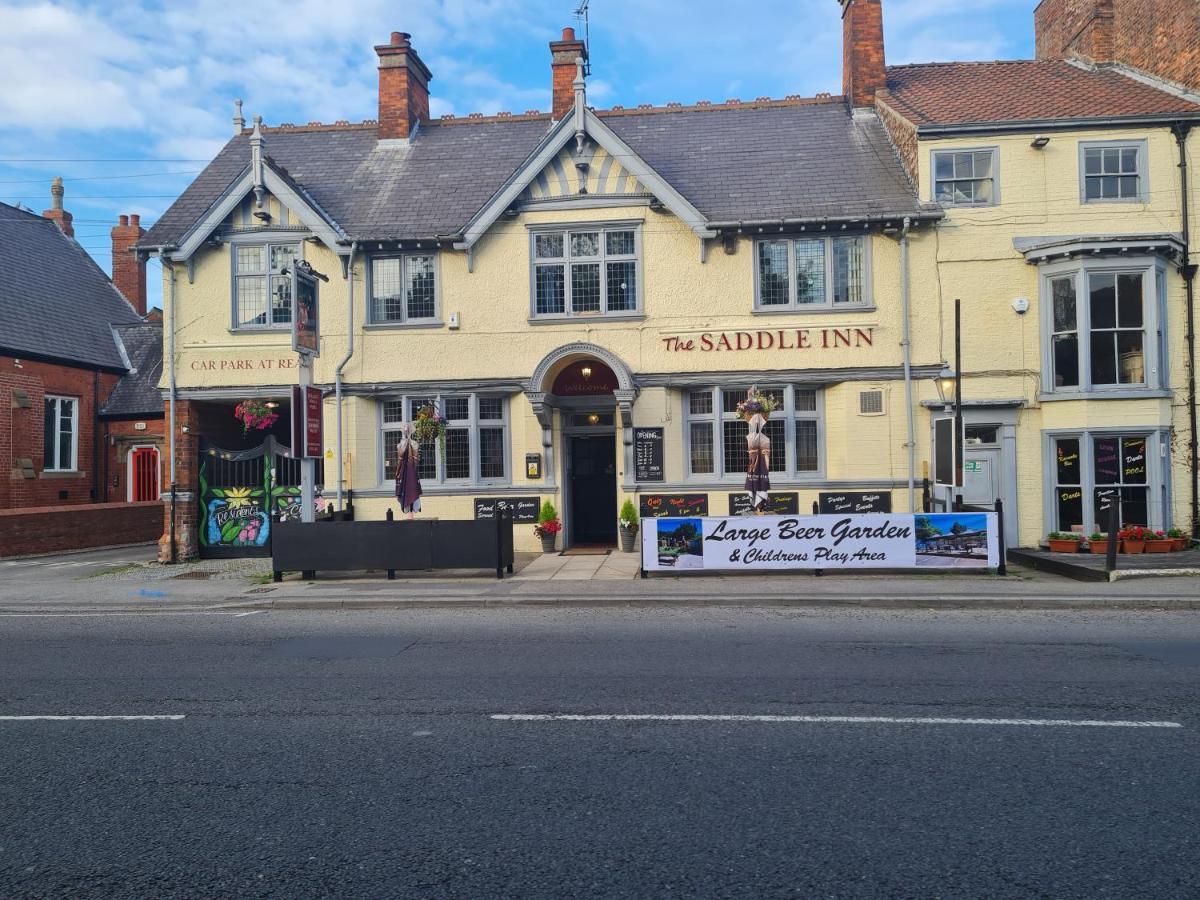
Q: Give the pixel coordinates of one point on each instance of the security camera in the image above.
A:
(1020, 306)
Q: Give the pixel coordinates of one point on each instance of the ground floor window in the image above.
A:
(716, 435)
(60, 446)
(1092, 470)
(476, 437)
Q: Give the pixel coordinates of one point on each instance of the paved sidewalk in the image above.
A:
(559, 567)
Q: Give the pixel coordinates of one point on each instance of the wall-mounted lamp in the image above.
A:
(262, 215)
(586, 372)
(594, 419)
(1039, 142)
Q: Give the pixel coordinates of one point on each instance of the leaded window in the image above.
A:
(404, 289)
(801, 273)
(717, 434)
(262, 284)
(474, 449)
(586, 272)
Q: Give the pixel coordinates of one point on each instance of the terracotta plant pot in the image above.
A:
(1133, 547)
(1098, 548)
(1160, 545)
(1178, 544)
(1064, 546)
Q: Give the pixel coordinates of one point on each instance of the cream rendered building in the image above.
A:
(585, 295)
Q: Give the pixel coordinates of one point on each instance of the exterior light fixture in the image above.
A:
(946, 383)
(1039, 142)
(262, 215)
(594, 419)
(586, 372)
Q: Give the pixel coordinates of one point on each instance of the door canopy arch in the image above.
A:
(572, 358)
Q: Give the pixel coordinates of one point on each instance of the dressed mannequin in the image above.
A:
(758, 472)
(408, 484)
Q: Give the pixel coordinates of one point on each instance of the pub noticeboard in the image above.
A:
(658, 506)
(307, 431)
(522, 509)
(781, 504)
(648, 454)
(832, 504)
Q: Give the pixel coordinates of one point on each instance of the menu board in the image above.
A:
(648, 454)
(522, 509)
(658, 506)
(782, 504)
(854, 502)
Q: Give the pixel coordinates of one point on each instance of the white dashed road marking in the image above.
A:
(829, 720)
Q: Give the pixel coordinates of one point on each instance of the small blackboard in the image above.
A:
(648, 454)
(523, 509)
(832, 504)
(660, 506)
(783, 504)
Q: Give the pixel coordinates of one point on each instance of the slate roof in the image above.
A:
(751, 162)
(55, 302)
(137, 394)
(957, 93)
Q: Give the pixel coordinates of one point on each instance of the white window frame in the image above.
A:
(995, 177)
(56, 400)
(793, 305)
(1158, 469)
(602, 260)
(1154, 275)
(268, 273)
(1143, 169)
(405, 319)
(789, 414)
(473, 423)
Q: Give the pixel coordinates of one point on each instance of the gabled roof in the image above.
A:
(137, 394)
(765, 160)
(933, 95)
(55, 302)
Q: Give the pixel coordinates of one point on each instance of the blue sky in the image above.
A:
(127, 100)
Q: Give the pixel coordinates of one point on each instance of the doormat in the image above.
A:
(588, 550)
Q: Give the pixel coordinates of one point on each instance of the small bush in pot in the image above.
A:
(1179, 539)
(628, 526)
(548, 526)
(1063, 542)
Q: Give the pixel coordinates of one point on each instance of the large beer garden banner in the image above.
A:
(874, 541)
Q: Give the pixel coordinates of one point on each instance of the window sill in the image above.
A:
(1127, 394)
(401, 326)
(53, 474)
(388, 489)
(262, 329)
(589, 320)
(1124, 201)
(813, 310)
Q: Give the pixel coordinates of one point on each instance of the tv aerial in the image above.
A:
(581, 13)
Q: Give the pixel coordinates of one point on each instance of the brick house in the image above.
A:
(78, 353)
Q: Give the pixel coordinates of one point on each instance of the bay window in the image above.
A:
(716, 434)
(586, 271)
(474, 450)
(811, 272)
(1091, 470)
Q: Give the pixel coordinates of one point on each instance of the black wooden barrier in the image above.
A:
(392, 546)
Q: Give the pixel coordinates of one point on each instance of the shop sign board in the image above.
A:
(786, 503)
(830, 503)
(872, 541)
(522, 509)
(655, 506)
(306, 328)
(648, 454)
(307, 426)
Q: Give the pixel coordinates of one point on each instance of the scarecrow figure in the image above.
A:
(408, 482)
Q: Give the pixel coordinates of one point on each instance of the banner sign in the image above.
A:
(854, 502)
(306, 330)
(522, 509)
(873, 541)
(657, 505)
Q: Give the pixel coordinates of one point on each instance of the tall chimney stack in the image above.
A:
(863, 67)
(403, 88)
(56, 213)
(563, 54)
(129, 272)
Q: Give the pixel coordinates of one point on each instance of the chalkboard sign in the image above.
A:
(658, 506)
(785, 504)
(522, 509)
(648, 454)
(832, 504)
(943, 451)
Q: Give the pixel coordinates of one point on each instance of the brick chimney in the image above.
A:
(563, 54)
(129, 272)
(862, 51)
(56, 213)
(403, 88)
(1074, 28)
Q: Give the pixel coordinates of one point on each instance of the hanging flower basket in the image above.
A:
(756, 403)
(255, 414)
(430, 426)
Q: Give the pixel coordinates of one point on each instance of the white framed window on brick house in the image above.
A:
(1102, 322)
(811, 273)
(60, 434)
(1113, 172)
(586, 271)
(716, 436)
(262, 293)
(404, 290)
(1087, 470)
(476, 445)
(966, 177)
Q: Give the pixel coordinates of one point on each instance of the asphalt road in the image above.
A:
(355, 755)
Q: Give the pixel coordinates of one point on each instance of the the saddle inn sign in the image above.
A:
(777, 339)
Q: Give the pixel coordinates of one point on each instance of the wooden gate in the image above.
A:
(144, 474)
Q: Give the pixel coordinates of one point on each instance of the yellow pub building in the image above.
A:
(586, 294)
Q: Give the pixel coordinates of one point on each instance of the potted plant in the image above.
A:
(1158, 542)
(257, 414)
(548, 526)
(1133, 539)
(1098, 543)
(1179, 540)
(628, 526)
(1063, 542)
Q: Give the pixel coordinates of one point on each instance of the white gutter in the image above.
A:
(337, 378)
(906, 344)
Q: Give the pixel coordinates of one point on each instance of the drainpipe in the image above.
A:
(906, 344)
(171, 390)
(337, 377)
(1188, 270)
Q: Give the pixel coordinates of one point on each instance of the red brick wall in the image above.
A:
(904, 138)
(128, 273)
(122, 436)
(21, 433)
(403, 88)
(862, 51)
(57, 528)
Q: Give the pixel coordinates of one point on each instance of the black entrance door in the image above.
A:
(593, 490)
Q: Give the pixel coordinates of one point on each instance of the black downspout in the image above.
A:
(1188, 271)
(97, 485)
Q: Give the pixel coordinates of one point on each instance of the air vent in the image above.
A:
(870, 403)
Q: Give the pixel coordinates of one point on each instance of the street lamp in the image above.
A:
(949, 388)
(946, 382)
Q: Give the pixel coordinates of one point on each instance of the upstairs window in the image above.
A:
(965, 177)
(60, 447)
(1113, 172)
(404, 289)
(807, 273)
(586, 272)
(262, 293)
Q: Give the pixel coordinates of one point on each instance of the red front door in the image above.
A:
(144, 479)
